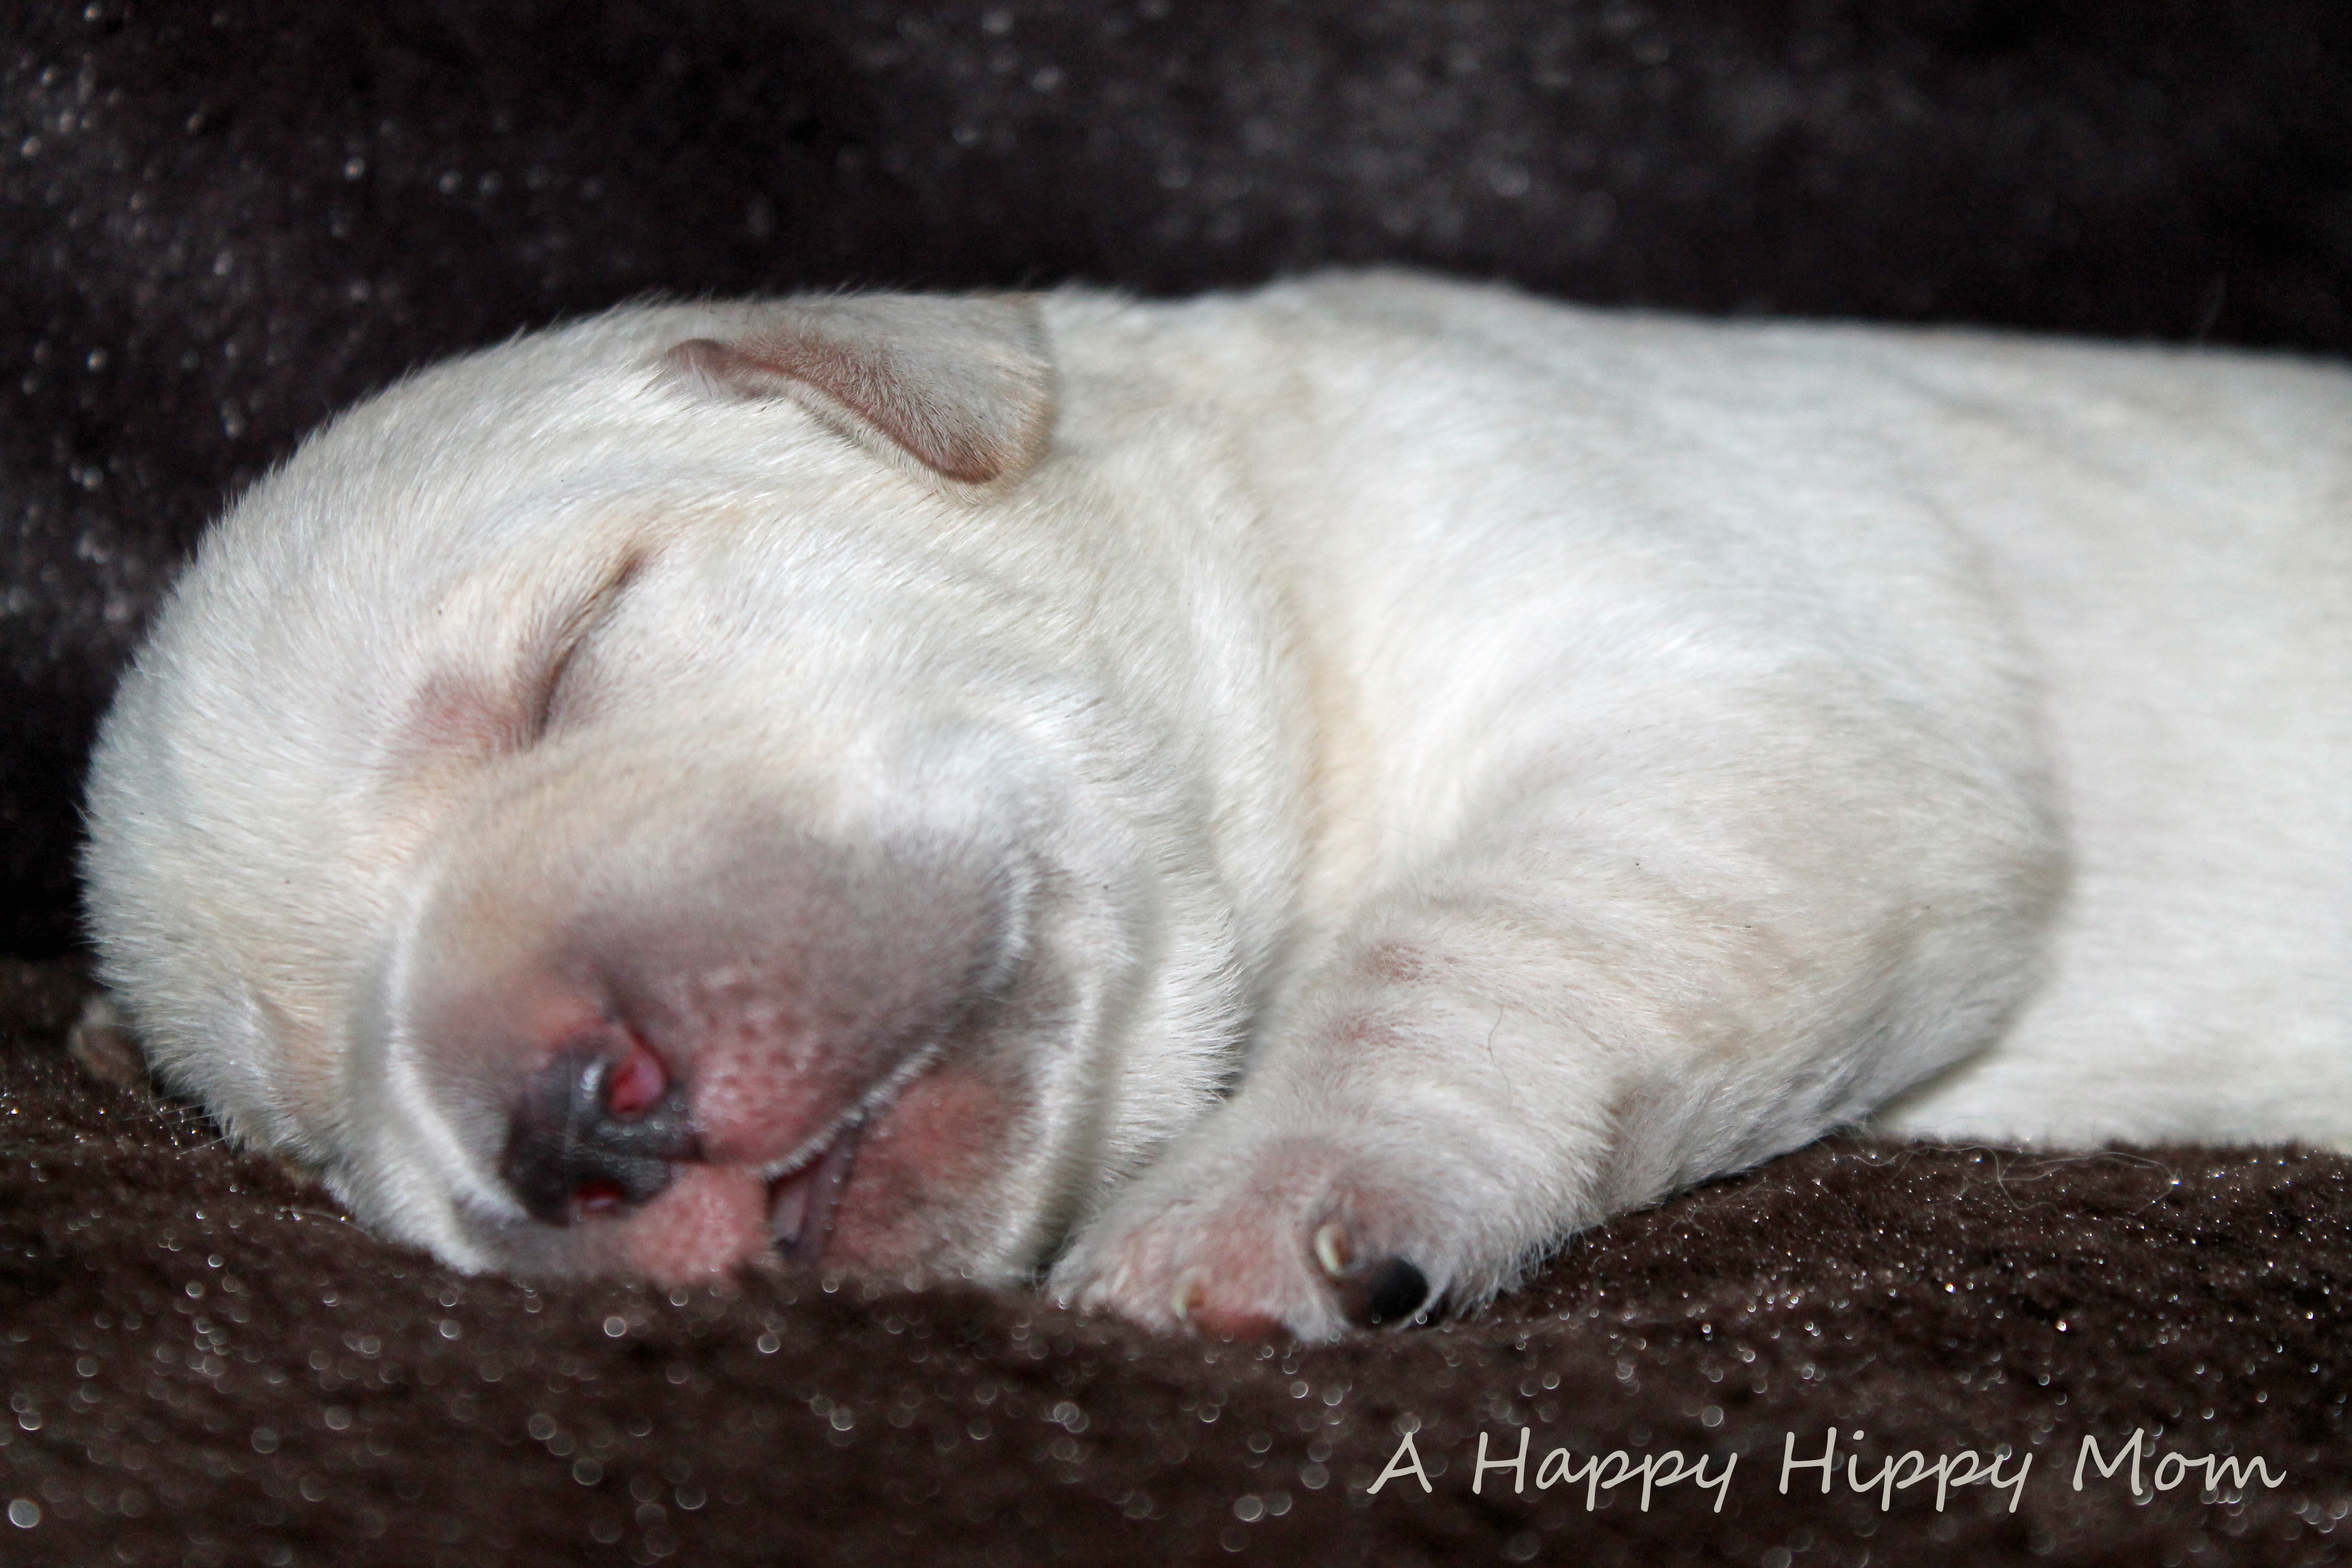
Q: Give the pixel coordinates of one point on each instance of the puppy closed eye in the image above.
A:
(473, 715)
(558, 653)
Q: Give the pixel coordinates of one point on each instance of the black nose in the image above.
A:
(580, 1143)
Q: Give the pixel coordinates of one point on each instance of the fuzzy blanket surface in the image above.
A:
(223, 220)
(206, 1364)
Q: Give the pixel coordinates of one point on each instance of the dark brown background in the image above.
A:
(222, 221)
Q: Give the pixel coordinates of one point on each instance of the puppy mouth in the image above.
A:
(805, 1191)
(802, 1201)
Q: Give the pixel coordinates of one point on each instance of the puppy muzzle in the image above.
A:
(741, 1018)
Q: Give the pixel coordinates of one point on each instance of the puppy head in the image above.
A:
(612, 805)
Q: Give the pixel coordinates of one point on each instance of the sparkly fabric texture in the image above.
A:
(206, 1364)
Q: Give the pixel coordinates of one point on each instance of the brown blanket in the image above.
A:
(206, 1364)
(223, 218)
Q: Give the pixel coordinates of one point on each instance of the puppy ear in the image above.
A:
(964, 386)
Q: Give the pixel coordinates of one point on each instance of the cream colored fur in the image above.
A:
(1368, 769)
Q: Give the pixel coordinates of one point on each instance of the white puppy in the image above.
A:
(1299, 800)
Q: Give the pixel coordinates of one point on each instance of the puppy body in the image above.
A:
(1313, 795)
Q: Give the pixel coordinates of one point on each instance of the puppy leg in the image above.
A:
(1541, 1031)
(1361, 1175)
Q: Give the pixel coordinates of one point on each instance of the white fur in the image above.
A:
(1533, 758)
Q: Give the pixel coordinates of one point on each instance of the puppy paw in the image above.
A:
(101, 1044)
(1293, 1238)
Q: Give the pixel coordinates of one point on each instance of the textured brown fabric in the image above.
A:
(206, 1364)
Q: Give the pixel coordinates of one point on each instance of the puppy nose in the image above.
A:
(599, 1128)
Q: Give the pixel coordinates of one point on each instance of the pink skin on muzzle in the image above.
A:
(917, 1163)
(761, 1064)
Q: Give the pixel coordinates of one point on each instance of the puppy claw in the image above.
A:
(1389, 1291)
(1194, 1304)
(1334, 1249)
(1192, 1286)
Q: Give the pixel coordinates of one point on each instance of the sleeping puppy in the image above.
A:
(1279, 807)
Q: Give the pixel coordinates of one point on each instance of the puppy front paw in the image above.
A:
(1291, 1237)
